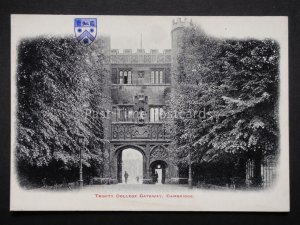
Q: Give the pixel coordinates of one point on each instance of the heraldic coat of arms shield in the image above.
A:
(85, 30)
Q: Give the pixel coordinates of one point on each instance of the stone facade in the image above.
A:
(140, 85)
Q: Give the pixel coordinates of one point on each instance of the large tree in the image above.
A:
(234, 84)
(58, 81)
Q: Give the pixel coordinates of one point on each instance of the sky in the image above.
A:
(125, 31)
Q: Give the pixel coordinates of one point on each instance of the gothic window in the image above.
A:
(121, 77)
(114, 114)
(130, 115)
(161, 77)
(156, 77)
(122, 112)
(119, 116)
(125, 77)
(125, 114)
(129, 77)
(156, 114)
(152, 77)
(152, 115)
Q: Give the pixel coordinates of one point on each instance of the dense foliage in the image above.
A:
(57, 81)
(234, 84)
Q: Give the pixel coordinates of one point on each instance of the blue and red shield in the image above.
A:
(85, 30)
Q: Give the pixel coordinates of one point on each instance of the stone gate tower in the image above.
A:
(141, 83)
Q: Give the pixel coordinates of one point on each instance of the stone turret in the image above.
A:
(177, 31)
(178, 26)
(179, 23)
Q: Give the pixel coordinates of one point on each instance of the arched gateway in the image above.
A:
(139, 126)
(118, 159)
(154, 156)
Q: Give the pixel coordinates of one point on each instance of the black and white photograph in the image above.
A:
(149, 113)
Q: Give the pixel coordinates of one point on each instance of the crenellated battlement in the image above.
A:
(181, 22)
(140, 52)
(140, 56)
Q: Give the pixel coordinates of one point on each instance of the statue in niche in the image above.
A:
(141, 107)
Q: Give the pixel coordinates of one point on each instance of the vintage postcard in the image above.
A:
(149, 113)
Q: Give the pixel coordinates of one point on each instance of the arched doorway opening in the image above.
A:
(131, 163)
(158, 171)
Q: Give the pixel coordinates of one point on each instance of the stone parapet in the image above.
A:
(127, 56)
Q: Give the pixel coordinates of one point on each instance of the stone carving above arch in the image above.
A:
(158, 153)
